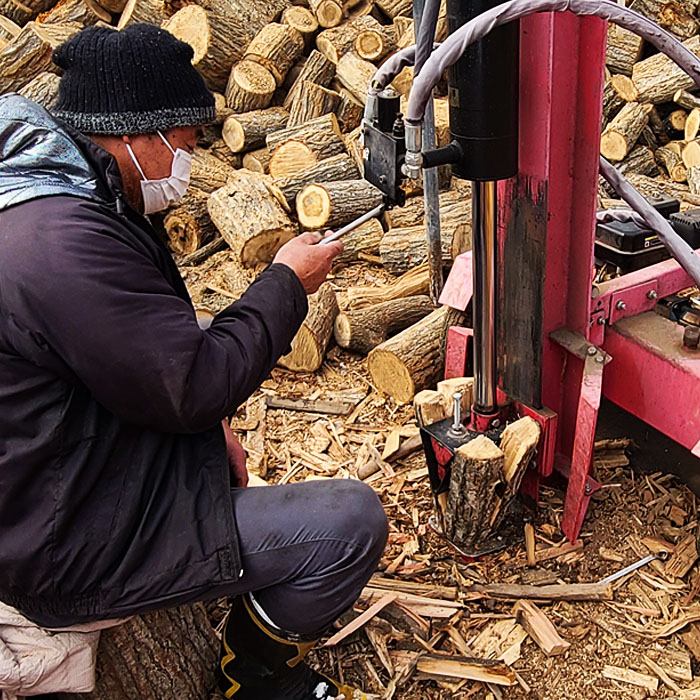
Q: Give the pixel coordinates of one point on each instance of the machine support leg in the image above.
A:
(484, 208)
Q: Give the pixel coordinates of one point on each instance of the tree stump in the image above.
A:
(363, 329)
(276, 47)
(333, 169)
(250, 86)
(330, 204)
(247, 131)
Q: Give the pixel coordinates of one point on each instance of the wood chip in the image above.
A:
(625, 675)
(362, 619)
(540, 628)
(435, 666)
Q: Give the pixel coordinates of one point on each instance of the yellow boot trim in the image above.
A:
(229, 656)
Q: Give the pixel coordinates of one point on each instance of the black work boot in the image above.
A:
(259, 662)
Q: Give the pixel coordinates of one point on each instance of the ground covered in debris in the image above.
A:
(644, 642)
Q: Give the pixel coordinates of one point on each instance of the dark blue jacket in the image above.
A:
(114, 481)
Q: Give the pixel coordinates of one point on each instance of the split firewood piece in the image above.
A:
(393, 8)
(519, 442)
(247, 131)
(317, 69)
(692, 124)
(301, 19)
(672, 164)
(208, 173)
(540, 628)
(623, 50)
(336, 42)
(475, 487)
(304, 145)
(430, 407)
(625, 675)
(363, 329)
(684, 556)
(414, 359)
(310, 343)
(624, 87)
(150, 11)
(75, 11)
(658, 78)
(684, 99)
(29, 54)
(325, 205)
(363, 240)
(329, 13)
(312, 101)
(414, 282)
(623, 131)
(249, 212)
(349, 111)
(530, 550)
(355, 75)
(276, 47)
(690, 153)
(442, 667)
(257, 161)
(694, 179)
(43, 89)
(447, 388)
(250, 86)
(188, 224)
(333, 169)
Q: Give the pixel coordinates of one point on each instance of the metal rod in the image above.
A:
(484, 208)
(353, 224)
(457, 410)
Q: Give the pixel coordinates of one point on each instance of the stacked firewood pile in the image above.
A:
(651, 117)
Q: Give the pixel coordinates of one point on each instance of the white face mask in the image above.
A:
(160, 194)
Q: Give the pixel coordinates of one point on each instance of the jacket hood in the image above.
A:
(41, 156)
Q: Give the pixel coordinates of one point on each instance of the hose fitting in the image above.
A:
(413, 163)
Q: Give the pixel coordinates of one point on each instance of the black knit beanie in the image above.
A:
(135, 81)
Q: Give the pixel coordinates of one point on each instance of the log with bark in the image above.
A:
(651, 187)
(75, 11)
(301, 19)
(624, 49)
(414, 282)
(325, 205)
(363, 240)
(29, 54)
(257, 161)
(686, 100)
(8, 30)
(333, 169)
(317, 69)
(363, 329)
(374, 44)
(355, 75)
(150, 11)
(455, 205)
(394, 8)
(23, 12)
(276, 47)
(219, 149)
(188, 224)
(672, 164)
(311, 101)
(248, 131)
(208, 173)
(250, 213)
(413, 359)
(43, 89)
(336, 42)
(310, 342)
(623, 131)
(329, 13)
(677, 20)
(250, 86)
(349, 111)
(612, 103)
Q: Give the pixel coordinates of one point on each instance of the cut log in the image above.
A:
(22, 12)
(317, 69)
(355, 75)
(310, 343)
(330, 204)
(248, 131)
(658, 78)
(208, 172)
(657, 126)
(676, 120)
(694, 179)
(276, 47)
(476, 485)
(333, 169)
(414, 359)
(690, 154)
(8, 29)
(312, 101)
(625, 88)
(336, 42)
(250, 86)
(455, 206)
(624, 49)
(443, 667)
(43, 89)
(291, 157)
(623, 131)
(393, 8)
(249, 213)
(349, 112)
(66, 11)
(651, 187)
(646, 139)
(150, 11)
(651, 8)
(640, 160)
(414, 282)
(374, 44)
(352, 9)
(329, 13)
(540, 628)
(363, 329)
(257, 161)
(220, 150)
(684, 99)
(677, 20)
(301, 19)
(29, 54)
(692, 124)
(430, 407)
(165, 655)
(188, 224)
(365, 239)
(672, 164)
(612, 103)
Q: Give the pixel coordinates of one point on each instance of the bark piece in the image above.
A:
(249, 214)
(250, 86)
(336, 42)
(311, 101)
(310, 343)
(29, 54)
(329, 13)
(276, 47)
(317, 69)
(188, 224)
(247, 131)
(333, 169)
(366, 239)
(623, 131)
(257, 161)
(540, 628)
(335, 203)
(413, 359)
(624, 49)
(672, 164)
(301, 19)
(363, 329)
(43, 89)
(444, 667)
(355, 75)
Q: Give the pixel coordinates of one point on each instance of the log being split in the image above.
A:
(312, 101)
(336, 42)
(250, 215)
(329, 13)
(363, 329)
(333, 169)
(248, 131)
(310, 343)
(276, 47)
(188, 224)
(332, 204)
(250, 86)
(623, 131)
(317, 69)
(413, 359)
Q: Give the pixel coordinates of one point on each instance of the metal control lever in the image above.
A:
(661, 555)
(353, 224)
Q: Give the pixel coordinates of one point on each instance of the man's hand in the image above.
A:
(236, 458)
(310, 262)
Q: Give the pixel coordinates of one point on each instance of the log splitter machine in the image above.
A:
(525, 83)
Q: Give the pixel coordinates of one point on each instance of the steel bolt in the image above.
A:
(691, 337)
(620, 306)
(600, 321)
(496, 423)
(600, 359)
(592, 350)
(652, 294)
(588, 489)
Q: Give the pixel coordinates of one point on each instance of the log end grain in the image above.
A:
(250, 86)
(313, 206)
(191, 25)
(290, 158)
(391, 375)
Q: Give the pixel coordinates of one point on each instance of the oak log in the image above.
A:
(250, 86)
(276, 47)
(208, 172)
(8, 29)
(317, 69)
(333, 169)
(686, 100)
(311, 101)
(248, 130)
(325, 205)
